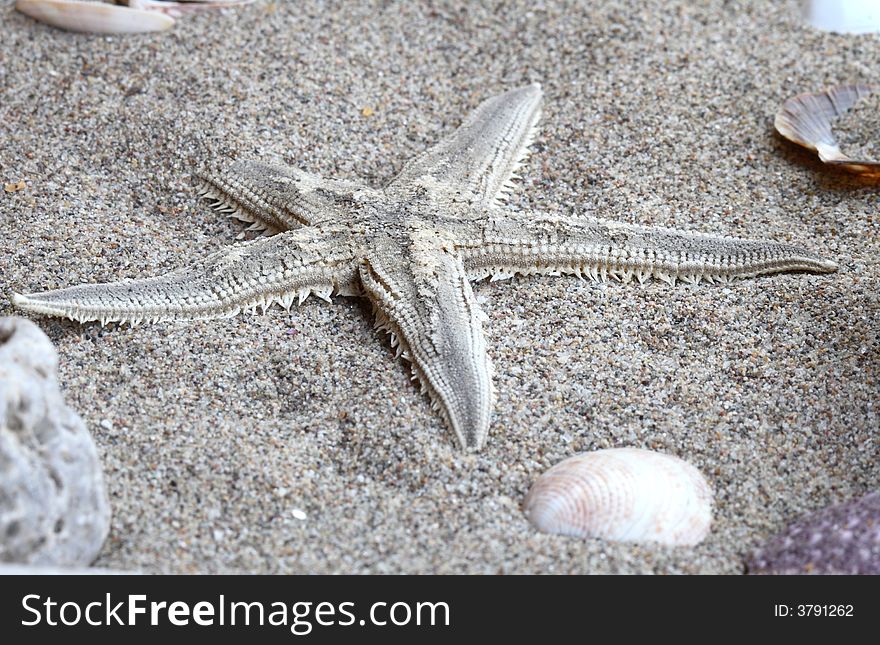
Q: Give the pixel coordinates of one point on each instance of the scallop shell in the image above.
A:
(94, 17)
(806, 119)
(623, 494)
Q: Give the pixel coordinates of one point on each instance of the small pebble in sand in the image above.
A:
(298, 514)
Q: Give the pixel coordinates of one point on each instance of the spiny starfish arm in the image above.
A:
(599, 249)
(430, 310)
(274, 198)
(478, 161)
(281, 269)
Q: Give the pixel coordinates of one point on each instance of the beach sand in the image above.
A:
(214, 433)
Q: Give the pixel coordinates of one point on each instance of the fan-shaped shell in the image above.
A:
(623, 494)
(93, 17)
(806, 120)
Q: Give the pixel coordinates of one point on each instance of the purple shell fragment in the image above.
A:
(840, 539)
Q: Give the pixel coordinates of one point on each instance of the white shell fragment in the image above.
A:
(177, 9)
(94, 17)
(623, 494)
(806, 120)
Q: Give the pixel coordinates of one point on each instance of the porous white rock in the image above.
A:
(54, 509)
(31, 570)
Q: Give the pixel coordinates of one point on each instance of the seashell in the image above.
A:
(840, 539)
(623, 494)
(93, 17)
(177, 9)
(806, 120)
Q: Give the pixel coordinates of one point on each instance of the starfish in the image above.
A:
(413, 248)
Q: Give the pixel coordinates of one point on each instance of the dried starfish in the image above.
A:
(413, 248)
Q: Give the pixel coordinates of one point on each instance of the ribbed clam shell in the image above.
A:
(806, 120)
(93, 17)
(623, 494)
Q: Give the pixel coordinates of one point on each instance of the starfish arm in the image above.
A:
(478, 161)
(274, 198)
(428, 307)
(509, 244)
(280, 269)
